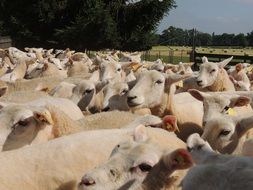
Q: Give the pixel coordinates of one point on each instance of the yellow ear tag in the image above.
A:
(232, 112)
(181, 84)
(249, 69)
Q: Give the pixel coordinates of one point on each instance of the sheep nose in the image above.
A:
(88, 91)
(87, 182)
(199, 82)
(189, 149)
(107, 108)
(130, 98)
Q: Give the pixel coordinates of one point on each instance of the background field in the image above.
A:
(175, 54)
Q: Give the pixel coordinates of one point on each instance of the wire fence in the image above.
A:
(170, 56)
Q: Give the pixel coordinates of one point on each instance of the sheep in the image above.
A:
(115, 96)
(230, 175)
(46, 69)
(160, 175)
(213, 77)
(18, 72)
(15, 55)
(77, 68)
(227, 134)
(155, 91)
(111, 71)
(86, 94)
(21, 85)
(21, 96)
(4, 68)
(208, 161)
(240, 78)
(125, 163)
(66, 159)
(157, 65)
(224, 117)
(28, 118)
(223, 102)
(133, 57)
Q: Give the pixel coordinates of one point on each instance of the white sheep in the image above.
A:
(214, 77)
(156, 91)
(66, 159)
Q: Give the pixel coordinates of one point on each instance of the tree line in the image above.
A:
(180, 37)
(83, 24)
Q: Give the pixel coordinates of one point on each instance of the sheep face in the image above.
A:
(84, 94)
(110, 71)
(221, 134)
(21, 126)
(129, 163)
(148, 90)
(198, 147)
(35, 70)
(16, 55)
(115, 96)
(218, 103)
(208, 74)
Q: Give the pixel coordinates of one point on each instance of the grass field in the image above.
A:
(175, 54)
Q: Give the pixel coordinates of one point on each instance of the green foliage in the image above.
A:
(250, 38)
(83, 24)
(179, 37)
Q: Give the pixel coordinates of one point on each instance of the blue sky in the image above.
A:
(219, 16)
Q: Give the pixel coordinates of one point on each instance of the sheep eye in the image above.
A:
(213, 70)
(159, 82)
(225, 109)
(23, 123)
(119, 69)
(145, 167)
(199, 147)
(224, 133)
(124, 91)
(88, 91)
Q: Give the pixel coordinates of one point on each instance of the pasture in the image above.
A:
(176, 54)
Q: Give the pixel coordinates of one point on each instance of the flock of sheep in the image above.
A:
(116, 122)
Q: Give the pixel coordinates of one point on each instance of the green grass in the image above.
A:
(166, 59)
(181, 53)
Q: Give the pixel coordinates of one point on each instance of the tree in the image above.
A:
(203, 39)
(80, 24)
(250, 38)
(240, 40)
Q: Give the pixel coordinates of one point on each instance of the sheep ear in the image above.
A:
(223, 63)
(173, 78)
(50, 51)
(244, 125)
(100, 85)
(190, 64)
(170, 123)
(204, 59)
(43, 115)
(3, 90)
(140, 133)
(45, 67)
(94, 76)
(178, 159)
(198, 95)
(239, 101)
(27, 49)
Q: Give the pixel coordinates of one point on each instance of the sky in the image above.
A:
(219, 16)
